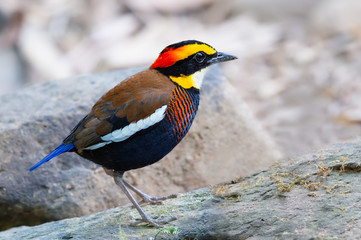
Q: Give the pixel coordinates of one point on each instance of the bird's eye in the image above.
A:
(200, 56)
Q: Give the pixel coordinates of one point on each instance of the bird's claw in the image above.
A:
(153, 222)
(155, 200)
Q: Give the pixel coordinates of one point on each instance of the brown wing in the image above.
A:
(131, 100)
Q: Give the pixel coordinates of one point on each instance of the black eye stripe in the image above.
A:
(185, 67)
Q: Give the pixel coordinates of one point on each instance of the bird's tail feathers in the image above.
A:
(57, 151)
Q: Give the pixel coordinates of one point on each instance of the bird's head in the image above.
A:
(185, 62)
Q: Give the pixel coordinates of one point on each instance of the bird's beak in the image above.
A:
(221, 57)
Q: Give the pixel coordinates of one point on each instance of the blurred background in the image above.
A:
(299, 63)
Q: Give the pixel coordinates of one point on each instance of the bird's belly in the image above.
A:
(140, 150)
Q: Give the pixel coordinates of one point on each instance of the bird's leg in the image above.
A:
(118, 178)
(145, 197)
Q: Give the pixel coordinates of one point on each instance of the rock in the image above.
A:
(316, 196)
(42, 54)
(166, 6)
(344, 16)
(225, 141)
(12, 70)
(275, 9)
(11, 73)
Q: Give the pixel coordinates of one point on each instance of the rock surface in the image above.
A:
(344, 16)
(224, 142)
(316, 196)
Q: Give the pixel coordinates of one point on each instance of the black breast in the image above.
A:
(151, 145)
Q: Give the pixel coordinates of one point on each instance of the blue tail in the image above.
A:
(57, 151)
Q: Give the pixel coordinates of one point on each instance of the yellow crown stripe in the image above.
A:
(188, 50)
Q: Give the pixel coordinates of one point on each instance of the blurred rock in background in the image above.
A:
(298, 68)
(11, 66)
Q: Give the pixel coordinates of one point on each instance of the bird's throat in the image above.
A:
(194, 80)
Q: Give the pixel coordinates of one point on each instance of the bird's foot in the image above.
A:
(153, 222)
(146, 198)
(155, 200)
(123, 184)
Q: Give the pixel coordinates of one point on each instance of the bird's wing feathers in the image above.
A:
(134, 99)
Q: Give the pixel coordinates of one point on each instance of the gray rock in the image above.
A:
(344, 16)
(316, 196)
(224, 142)
(12, 71)
(276, 9)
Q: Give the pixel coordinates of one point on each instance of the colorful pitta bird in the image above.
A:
(144, 117)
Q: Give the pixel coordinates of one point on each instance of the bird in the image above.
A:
(143, 118)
